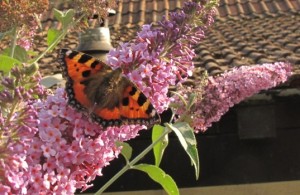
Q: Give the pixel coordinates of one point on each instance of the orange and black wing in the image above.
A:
(77, 68)
(134, 108)
(82, 73)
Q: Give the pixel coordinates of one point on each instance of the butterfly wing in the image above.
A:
(77, 68)
(110, 99)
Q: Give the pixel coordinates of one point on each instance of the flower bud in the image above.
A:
(15, 71)
(18, 93)
(8, 82)
(6, 96)
(31, 70)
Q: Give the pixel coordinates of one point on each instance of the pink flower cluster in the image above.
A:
(13, 165)
(58, 150)
(230, 88)
(26, 35)
(162, 57)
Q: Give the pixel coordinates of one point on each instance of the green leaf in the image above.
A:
(180, 97)
(192, 99)
(20, 53)
(126, 150)
(6, 63)
(188, 141)
(58, 14)
(52, 35)
(32, 69)
(160, 147)
(68, 19)
(32, 53)
(65, 18)
(49, 81)
(159, 176)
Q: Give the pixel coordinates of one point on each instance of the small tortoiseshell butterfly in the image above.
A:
(107, 95)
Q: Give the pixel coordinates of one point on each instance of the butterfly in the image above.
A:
(107, 95)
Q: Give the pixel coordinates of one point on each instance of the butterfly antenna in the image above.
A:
(92, 109)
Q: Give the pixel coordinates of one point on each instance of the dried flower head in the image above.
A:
(23, 16)
(93, 8)
(20, 12)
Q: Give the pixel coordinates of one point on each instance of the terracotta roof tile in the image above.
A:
(245, 32)
(143, 11)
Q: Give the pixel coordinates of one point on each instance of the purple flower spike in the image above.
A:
(231, 87)
(162, 57)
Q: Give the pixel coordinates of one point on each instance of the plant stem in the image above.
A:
(59, 38)
(11, 112)
(133, 162)
(55, 42)
(13, 42)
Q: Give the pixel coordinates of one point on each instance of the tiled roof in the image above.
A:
(245, 32)
(235, 42)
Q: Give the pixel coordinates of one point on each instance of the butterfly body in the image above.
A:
(107, 95)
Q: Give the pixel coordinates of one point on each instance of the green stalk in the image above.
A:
(57, 40)
(13, 42)
(12, 111)
(133, 162)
